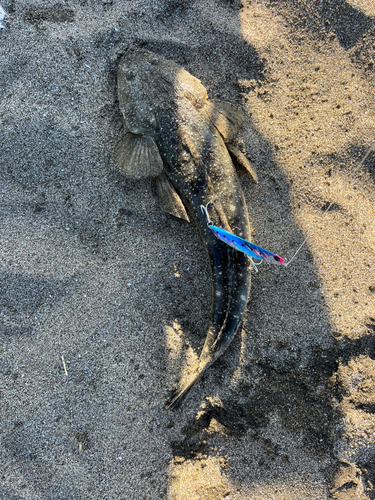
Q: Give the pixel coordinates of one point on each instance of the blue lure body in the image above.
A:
(250, 249)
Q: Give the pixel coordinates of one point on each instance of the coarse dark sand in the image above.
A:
(105, 300)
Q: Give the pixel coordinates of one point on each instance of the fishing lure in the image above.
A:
(251, 250)
(2, 15)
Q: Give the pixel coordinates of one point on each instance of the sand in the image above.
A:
(104, 299)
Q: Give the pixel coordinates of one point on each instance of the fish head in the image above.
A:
(150, 86)
(133, 79)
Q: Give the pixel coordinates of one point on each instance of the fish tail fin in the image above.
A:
(178, 395)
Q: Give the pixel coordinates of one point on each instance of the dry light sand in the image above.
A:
(92, 273)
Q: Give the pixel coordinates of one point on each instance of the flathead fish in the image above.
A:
(176, 135)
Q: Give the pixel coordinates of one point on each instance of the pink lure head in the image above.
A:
(275, 259)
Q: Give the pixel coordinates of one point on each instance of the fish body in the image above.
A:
(175, 134)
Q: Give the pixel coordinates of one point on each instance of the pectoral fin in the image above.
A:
(227, 119)
(243, 161)
(169, 200)
(137, 156)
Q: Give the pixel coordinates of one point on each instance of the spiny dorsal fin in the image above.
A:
(137, 156)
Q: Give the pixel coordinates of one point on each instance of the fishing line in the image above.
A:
(251, 250)
(329, 206)
(304, 241)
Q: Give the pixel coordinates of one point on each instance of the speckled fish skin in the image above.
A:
(162, 101)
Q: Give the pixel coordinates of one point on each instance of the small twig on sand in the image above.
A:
(366, 155)
(64, 365)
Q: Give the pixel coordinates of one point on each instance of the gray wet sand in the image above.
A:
(94, 274)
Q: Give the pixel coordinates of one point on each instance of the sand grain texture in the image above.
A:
(92, 273)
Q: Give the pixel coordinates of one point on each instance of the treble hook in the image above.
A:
(205, 211)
